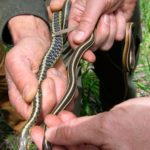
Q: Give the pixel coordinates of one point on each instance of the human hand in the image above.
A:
(31, 39)
(106, 18)
(124, 127)
(37, 132)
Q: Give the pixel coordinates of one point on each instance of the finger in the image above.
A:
(52, 120)
(75, 132)
(112, 34)
(66, 116)
(142, 101)
(23, 77)
(56, 5)
(16, 99)
(89, 56)
(37, 135)
(121, 25)
(49, 12)
(102, 31)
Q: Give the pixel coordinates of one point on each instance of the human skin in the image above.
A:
(112, 13)
(30, 48)
(124, 127)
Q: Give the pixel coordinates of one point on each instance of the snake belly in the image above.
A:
(48, 61)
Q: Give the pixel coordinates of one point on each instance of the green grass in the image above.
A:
(142, 72)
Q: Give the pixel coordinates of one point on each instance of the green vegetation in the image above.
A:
(142, 72)
(90, 90)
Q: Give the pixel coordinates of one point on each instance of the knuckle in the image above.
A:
(87, 23)
(65, 132)
(107, 122)
(107, 46)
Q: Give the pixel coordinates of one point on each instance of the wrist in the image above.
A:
(27, 26)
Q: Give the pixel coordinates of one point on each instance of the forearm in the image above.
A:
(10, 9)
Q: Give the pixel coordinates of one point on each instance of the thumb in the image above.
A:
(77, 131)
(88, 13)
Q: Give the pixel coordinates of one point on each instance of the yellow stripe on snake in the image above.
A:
(48, 61)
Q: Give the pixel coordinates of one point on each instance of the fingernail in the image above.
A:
(79, 37)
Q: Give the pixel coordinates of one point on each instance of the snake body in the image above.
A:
(48, 61)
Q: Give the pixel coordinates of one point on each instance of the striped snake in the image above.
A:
(48, 61)
(59, 20)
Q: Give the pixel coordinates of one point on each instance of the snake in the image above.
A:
(48, 61)
(51, 57)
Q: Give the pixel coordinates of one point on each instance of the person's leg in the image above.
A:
(114, 88)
